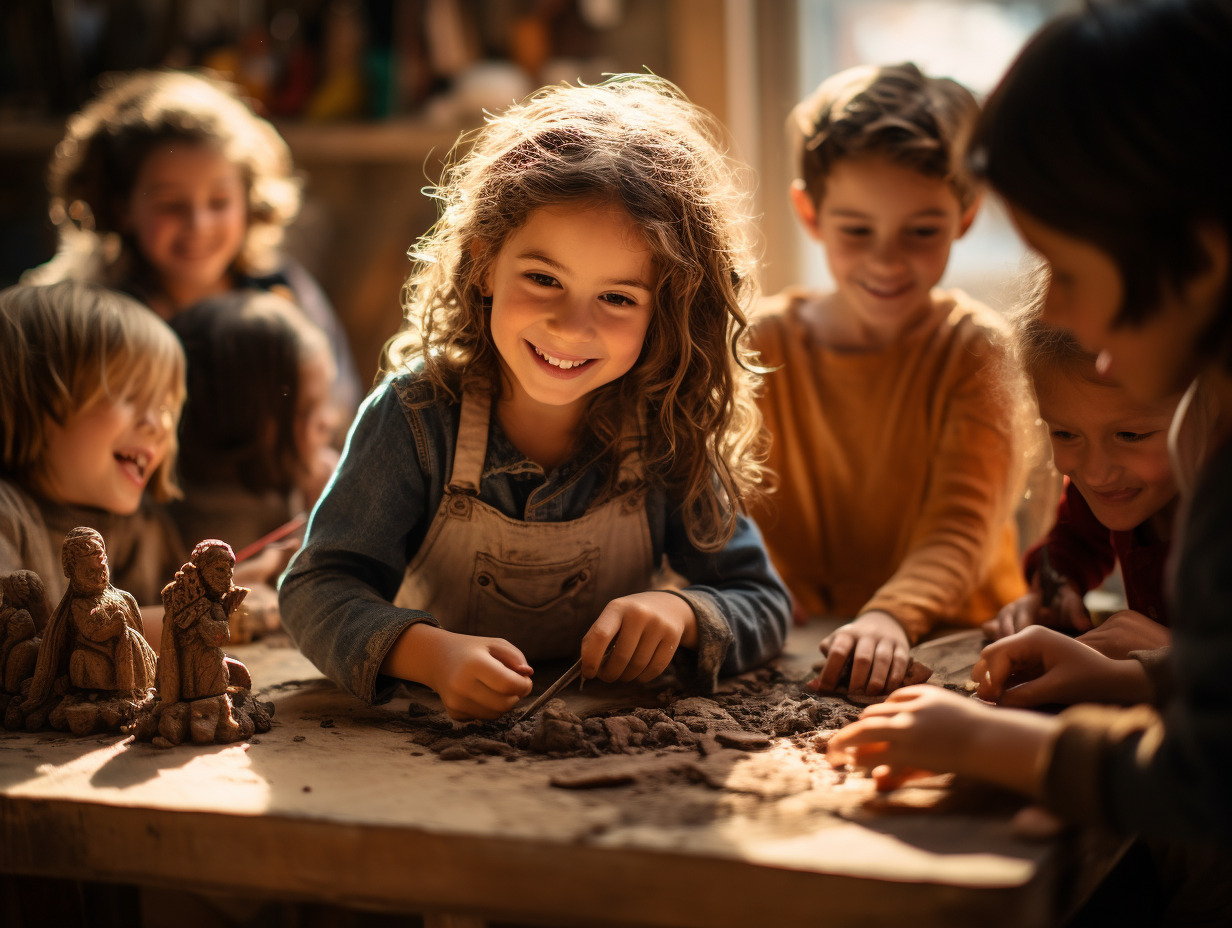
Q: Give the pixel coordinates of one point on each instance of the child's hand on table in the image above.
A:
(647, 628)
(1127, 631)
(1066, 611)
(1039, 666)
(878, 648)
(920, 730)
(476, 677)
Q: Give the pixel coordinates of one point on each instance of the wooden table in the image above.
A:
(337, 804)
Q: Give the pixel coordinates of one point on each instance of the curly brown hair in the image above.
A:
(636, 141)
(895, 111)
(95, 167)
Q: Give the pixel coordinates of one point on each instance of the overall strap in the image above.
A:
(472, 444)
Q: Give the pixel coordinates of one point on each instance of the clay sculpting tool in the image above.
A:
(566, 678)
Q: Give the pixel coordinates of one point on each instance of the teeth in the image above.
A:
(558, 362)
(138, 460)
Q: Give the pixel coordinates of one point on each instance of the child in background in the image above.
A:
(1139, 251)
(568, 408)
(168, 187)
(91, 385)
(1118, 502)
(891, 406)
(254, 436)
(255, 449)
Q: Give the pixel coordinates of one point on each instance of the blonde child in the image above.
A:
(1117, 505)
(1139, 252)
(168, 187)
(567, 408)
(91, 385)
(890, 407)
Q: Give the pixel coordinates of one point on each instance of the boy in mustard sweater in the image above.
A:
(892, 407)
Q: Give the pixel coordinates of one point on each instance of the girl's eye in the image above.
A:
(543, 280)
(618, 299)
(1062, 435)
(855, 231)
(925, 232)
(1132, 437)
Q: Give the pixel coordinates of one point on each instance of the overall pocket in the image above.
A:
(543, 609)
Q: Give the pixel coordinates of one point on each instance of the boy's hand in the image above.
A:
(1039, 666)
(878, 648)
(1127, 631)
(476, 678)
(923, 729)
(647, 628)
(1066, 611)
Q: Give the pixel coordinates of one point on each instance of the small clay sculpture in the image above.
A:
(23, 616)
(203, 695)
(94, 668)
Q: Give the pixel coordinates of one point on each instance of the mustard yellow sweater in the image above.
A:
(895, 468)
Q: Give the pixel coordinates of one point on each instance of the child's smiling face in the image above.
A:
(572, 296)
(1112, 447)
(104, 456)
(887, 230)
(189, 213)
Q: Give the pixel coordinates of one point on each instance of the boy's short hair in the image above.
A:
(66, 347)
(893, 111)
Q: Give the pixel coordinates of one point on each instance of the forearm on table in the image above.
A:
(1012, 748)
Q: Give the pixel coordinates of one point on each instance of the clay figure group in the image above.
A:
(86, 666)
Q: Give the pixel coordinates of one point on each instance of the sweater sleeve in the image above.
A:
(968, 498)
(1079, 546)
(742, 608)
(336, 595)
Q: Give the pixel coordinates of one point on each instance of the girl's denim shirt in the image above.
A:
(336, 596)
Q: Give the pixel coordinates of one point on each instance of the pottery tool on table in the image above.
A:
(565, 679)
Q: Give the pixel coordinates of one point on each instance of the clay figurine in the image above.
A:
(23, 616)
(203, 695)
(94, 669)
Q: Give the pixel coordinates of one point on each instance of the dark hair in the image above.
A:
(244, 352)
(896, 112)
(1105, 129)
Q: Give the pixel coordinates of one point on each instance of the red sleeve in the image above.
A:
(1079, 545)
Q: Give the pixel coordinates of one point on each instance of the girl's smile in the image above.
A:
(189, 214)
(571, 301)
(1112, 447)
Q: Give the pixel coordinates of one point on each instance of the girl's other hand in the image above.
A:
(1038, 666)
(1127, 631)
(879, 651)
(647, 628)
(476, 678)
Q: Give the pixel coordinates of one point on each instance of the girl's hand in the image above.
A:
(879, 651)
(1039, 666)
(476, 678)
(647, 628)
(1127, 631)
(924, 729)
